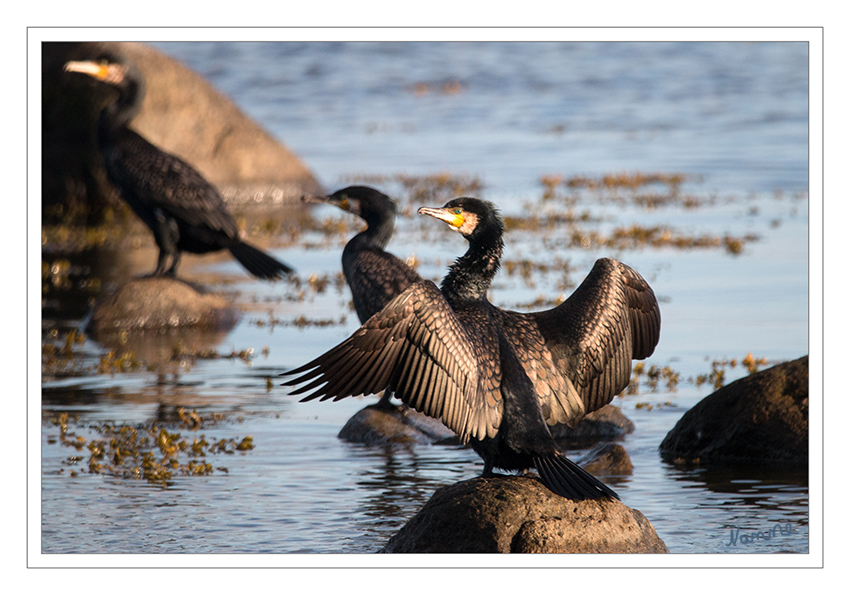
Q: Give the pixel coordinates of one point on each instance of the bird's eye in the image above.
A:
(458, 211)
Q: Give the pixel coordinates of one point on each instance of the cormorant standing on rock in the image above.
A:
(374, 275)
(495, 377)
(184, 211)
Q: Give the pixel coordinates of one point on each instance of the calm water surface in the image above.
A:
(731, 116)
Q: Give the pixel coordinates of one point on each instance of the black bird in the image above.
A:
(184, 211)
(495, 377)
(374, 275)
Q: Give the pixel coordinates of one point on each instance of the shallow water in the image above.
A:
(731, 116)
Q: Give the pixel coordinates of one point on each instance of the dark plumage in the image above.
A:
(498, 378)
(374, 275)
(184, 211)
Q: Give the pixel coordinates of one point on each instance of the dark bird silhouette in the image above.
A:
(374, 275)
(498, 378)
(183, 210)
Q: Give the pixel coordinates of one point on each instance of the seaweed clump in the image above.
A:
(155, 452)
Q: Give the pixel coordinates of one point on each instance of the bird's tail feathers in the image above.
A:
(258, 263)
(567, 479)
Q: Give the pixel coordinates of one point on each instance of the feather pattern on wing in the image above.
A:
(578, 354)
(417, 348)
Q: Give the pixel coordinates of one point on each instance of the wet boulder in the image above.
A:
(520, 515)
(161, 302)
(607, 423)
(374, 425)
(607, 459)
(763, 417)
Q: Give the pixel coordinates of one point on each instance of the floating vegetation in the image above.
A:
(74, 235)
(446, 87)
(526, 268)
(638, 236)
(717, 376)
(541, 302)
(59, 356)
(656, 378)
(113, 363)
(246, 355)
(627, 180)
(155, 452)
(286, 231)
(60, 274)
(319, 283)
(546, 221)
(626, 188)
(299, 322)
(650, 406)
(652, 377)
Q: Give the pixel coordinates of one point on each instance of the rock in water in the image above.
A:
(761, 417)
(161, 302)
(378, 426)
(607, 423)
(519, 514)
(607, 459)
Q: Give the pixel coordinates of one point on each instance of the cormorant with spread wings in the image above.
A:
(495, 377)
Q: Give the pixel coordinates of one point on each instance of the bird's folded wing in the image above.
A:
(165, 181)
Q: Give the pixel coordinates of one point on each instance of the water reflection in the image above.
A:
(742, 479)
(164, 348)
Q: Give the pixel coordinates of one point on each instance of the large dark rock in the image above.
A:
(374, 426)
(181, 113)
(762, 417)
(161, 302)
(519, 514)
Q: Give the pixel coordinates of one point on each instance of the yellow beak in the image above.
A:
(96, 70)
(454, 220)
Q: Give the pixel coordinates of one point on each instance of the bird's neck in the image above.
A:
(376, 235)
(120, 113)
(470, 276)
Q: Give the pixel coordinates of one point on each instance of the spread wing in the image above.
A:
(160, 180)
(418, 348)
(578, 355)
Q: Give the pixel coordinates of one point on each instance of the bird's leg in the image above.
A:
(160, 263)
(166, 234)
(175, 260)
(488, 470)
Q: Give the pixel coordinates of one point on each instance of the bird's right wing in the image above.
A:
(417, 348)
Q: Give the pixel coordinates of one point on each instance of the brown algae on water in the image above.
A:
(654, 379)
(155, 452)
